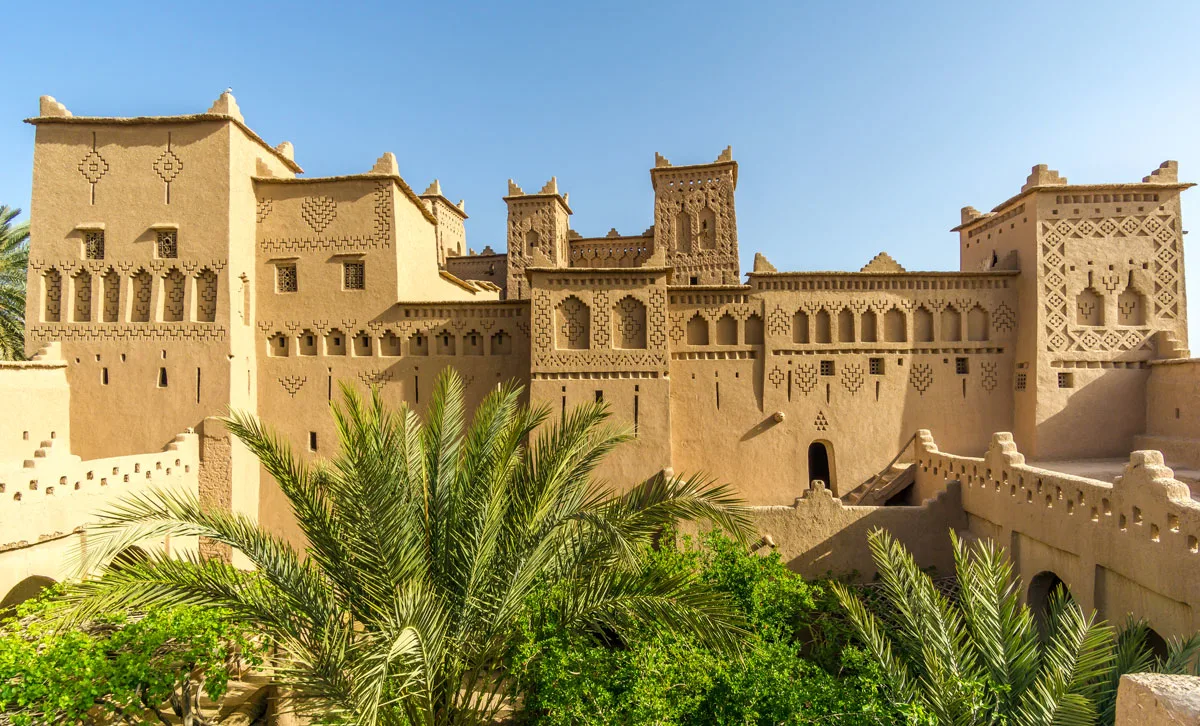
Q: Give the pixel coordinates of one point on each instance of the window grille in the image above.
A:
(93, 245)
(354, 275)
(285, 278)
(167, 244)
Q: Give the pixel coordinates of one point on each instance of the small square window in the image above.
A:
(285, 278)
(827, 368)
(961, 366)
(93, 245)
(167, 244)
(695, 280)
(876, 366)
(1021, 381)
(354, 275)
(1066, 380)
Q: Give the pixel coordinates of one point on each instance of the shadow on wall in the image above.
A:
(818, 534)
(1077, 431)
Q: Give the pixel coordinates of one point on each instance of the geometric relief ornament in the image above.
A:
(93, 167)
(167, 166)
(988, 379)
(292, 384)
(319, 212)
(921, 377)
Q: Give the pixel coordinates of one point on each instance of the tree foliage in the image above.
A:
(795, 665)
(14, 262)
(979, 658)
(116, 665)
(425, 540)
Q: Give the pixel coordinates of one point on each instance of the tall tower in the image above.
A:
(451, 234)
(535, 222)
(1101, 296)
(694, 219)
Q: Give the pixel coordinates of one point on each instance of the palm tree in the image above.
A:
(425, 543)
(980, 658)
(14, 261)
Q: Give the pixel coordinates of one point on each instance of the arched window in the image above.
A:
(951, 324)
(308, 342)
(894, 328)
(683, 231)
(173, 284)
(629, 323)
(754, 329)
(1089, 307)
(697, 330)
(573, 327)
(53, 284)
(83, 296)
(277, 346)
(390, 345)
(142, 291)
(206, 296)
(708, 229)
(112, 296)
(923, 325)
(473, 343)
(446, 343)
(823, 327)
(418, 344)
(1131, 307)
(870, 326)
(531, 241)
(800, 327)
(977, 323)
(362, 344)
(727, 330)
(845, 325)
(335, 342)
(501, 343)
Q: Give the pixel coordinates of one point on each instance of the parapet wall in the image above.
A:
(1129, 547)
(37, 403)
(1173, 410)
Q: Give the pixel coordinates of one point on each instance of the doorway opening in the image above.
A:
(819, 468)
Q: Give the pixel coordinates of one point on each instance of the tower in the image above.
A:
(536, 222)
(451, 234)
(694, 219)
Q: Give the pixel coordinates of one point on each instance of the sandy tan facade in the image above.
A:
(186, 266)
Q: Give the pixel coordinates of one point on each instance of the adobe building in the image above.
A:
(185, 266)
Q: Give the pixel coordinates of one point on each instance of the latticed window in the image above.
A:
(168, 244)
(285, 278)
(961, 367)
(93, 245)
(827, 368)
(354, 275)
(1066, 380)
(1021, 381)
(877, 366)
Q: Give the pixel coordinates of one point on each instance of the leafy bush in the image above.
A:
(117, 665)
(795, 665)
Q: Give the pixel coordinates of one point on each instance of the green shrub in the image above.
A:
(796, 664)
(117, 665)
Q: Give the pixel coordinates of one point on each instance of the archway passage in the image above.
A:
(26, 589)
(818, 463)
(1042, 588)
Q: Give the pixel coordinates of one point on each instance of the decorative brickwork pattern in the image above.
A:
(988, 378)
(821, 423)
(852, 377)
(320, 214)
(206, 296)
(921, 377)
(173, 290)
(83, 297)
(292, 384)
(806, 378)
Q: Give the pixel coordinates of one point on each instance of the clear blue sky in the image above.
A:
(858, 127)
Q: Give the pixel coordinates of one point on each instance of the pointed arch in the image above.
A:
(112, 296)
(977, 323)
(1089, 307)
(173, 292)
(629, 323)
(800, 327)
(445, 342)
(52, 284)
(206, 296)
(823, 329)
(418, 344)
(683, 231)
(697, 330)
(1131, 307)
(727, 330)
(708, 229)
(895, 329)
(143, 285)
(573, 324)
(472, 342)
(82, 283)
(531, 241)
(951, 324)
(753, 330)
(923, 325)
(870, 326)
(335, 342)
(845, 326)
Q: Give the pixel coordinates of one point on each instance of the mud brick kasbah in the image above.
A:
(1041, 394)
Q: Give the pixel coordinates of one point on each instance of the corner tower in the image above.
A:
(537, 223)
(694, 220)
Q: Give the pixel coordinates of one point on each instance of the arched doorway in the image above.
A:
(820, 463)
(1041, 590)
(1157, 644)
(26, 589)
